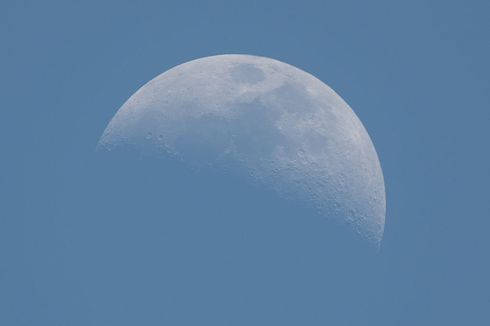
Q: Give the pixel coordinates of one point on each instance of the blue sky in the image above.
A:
(90, 241)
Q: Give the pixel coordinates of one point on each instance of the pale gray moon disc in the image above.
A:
(273, 122)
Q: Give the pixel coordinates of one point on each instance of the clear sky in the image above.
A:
(90, 241)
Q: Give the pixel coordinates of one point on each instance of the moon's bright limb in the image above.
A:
(268, 119)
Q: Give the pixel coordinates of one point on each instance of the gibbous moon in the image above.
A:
(266, 119)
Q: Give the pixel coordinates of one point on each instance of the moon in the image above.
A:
(270, 121)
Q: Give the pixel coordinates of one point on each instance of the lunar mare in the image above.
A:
(267, 119)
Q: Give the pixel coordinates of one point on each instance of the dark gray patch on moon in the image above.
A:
(247, 73)
(254, 134)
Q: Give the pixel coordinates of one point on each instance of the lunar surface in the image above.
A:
(267, 120)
